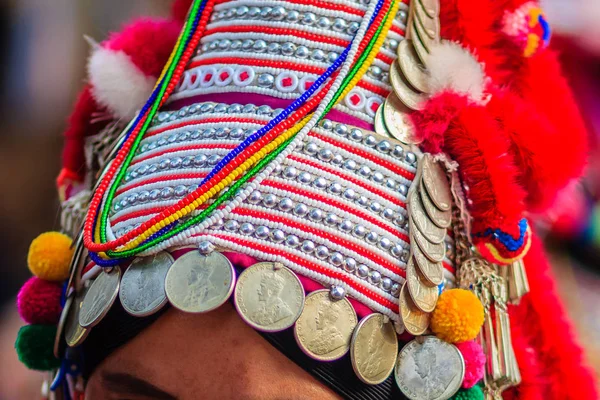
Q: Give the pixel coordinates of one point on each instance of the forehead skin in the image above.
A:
(205, 356)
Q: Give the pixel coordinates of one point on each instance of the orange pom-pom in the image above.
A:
(458, 316)
(50, 256)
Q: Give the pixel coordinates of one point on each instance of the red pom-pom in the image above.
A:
(474, 362)
(38, 302)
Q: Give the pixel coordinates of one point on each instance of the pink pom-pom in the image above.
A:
(474, 362)
(38, 301)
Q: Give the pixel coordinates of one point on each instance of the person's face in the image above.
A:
(168, 361)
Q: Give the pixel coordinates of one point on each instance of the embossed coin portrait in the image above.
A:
(328, 336)
(372, 366)
(147, 283)
(200, 287)
(430, 367)
(272, 308)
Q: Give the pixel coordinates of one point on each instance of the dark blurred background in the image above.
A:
(43, 57)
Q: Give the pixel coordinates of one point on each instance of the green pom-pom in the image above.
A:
(474, 393)
(35, 347)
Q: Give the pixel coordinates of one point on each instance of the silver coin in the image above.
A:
(58, 343)
(407, 94)
(418, 45)
(142, 289)
(396, 117)
(431, 26)
(423, 222)
(429, 369)
(199, 283)
(374, 349)
(379, 123)
(324, 329)
(431, 7)
(100, 298)
(411, 67)
(75, 334)
(269, 297)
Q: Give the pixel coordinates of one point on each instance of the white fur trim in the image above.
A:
(452, 67)
(117, 83)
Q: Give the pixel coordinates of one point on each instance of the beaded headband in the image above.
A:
(352, 234)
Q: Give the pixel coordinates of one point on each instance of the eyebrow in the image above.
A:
(129, 384)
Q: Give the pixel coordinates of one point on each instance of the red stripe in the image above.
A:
(313, 267)
(329, 6)
(135, 214)
(324, 235)
(345, 177)
(386, 164)
(183, 148)
(449, 267)
(202, 121)
(397, 30)
(278, 31)
(337, 204)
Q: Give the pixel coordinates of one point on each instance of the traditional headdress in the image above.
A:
(374, 161)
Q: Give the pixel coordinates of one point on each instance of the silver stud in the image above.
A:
(262, 232)
(325, 155)
(224, 44)
(387, 213)
(335, 188)
(337, 292)
(311, 148)
(304, 177)
(331, 219)
(384, 146)
(292, 16)
(164, 164)
(377, 177)
(207, 107)
(341, 129)
(144, 196)
(395, 290)
(364, 171)
(213, 159)
(356, 135)
(288, 48)
(264, 110)
(336, 259)
(322, 252)
(350, 194)
(290, 172)
(385, 243)
(248, 108)
(232, 225)
(400, 220)
(386, 284)
(359, 231)
(315, 214)
(372, 237)
(220, 108)
(247, 228)
(353, 27)
(236, 133)
(411, 158)
(255, 197)
(259, 46)
(403, 189)
(320, 183)
(375, 207)
(277, 235)
(337, 159)
(270, 200)
(307, 246)
(332, 56)
(350, 164)
(308, 19)
(286, 204)
(273, 47)
(241, 11)
(362, 271)
(397, 251)
(362, 201)
(370, 140)
(390, 183)
(375, 71)
(350, 264)
(292, 241)
(234, 108)
(404, 256)
(398, 151)
(339, 25)
(266, 80)
(375, 277)
(324, 22)
(167, 192)
(265, 12)
(327, 124)
(180, 190)
(206, 247)
(278, 13)
(300, 210)
(302, 52)
(346, 225)
(176, 162)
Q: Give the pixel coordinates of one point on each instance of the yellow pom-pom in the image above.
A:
(50, 256)
(458, 316)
